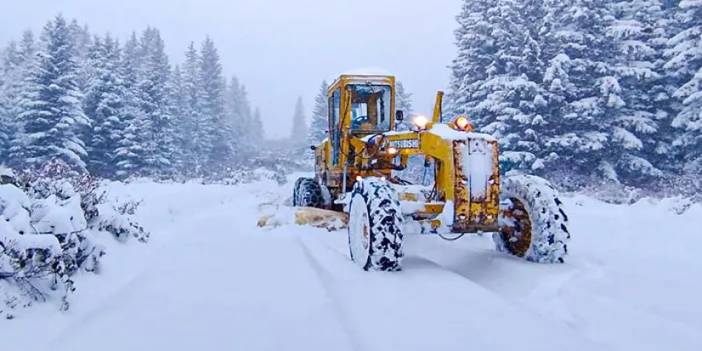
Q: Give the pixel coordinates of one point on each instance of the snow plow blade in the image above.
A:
(315, 217)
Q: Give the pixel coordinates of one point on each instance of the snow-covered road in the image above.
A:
(211, 280)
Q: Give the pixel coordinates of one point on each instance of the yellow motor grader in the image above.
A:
(358, 171)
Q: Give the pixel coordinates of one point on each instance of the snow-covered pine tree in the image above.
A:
(178, 109)
(51, 106)
(132, 59)
(403, 103)
(404, 99)
(299, 127)
(157, 129)
(128, 159)
(195, 140)
(245, 107)
(82, 40)
(257, 128)
(5, 130)
(665, 155)
(582, 92)
(232, 107)
(212, 88)
(516, 93)
(105, 106)
(82, 43)
(8, 63)
(95, 58)
(238, 112)
(17, 62)
(661, 90)
(319, 125)
(496, 80)
(636, 124)
(475, 52)
(685, 65)
(130, 153)
(596, 101)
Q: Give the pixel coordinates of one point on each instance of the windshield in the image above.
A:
(370, 108)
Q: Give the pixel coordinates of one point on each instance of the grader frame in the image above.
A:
(349, 154)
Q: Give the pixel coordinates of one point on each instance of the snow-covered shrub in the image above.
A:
(687, 185)
(39, 244)
(243, 176)
(266, 166)
(49, 218)
(7, 175)
(229, 176)
(281, 165)
(57, 178)
(118, 219)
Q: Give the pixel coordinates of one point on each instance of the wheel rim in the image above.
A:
(515, 228)
(359, 230)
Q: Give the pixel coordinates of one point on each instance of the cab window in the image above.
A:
(334, 128)
(370, 108)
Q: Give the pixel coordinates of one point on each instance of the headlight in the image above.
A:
(392, 150)
(462, 123)
(420, 122)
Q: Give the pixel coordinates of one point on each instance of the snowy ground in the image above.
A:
(211, 280)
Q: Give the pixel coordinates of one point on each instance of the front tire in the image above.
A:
(307, 193)
(375, 226)
(533, 224)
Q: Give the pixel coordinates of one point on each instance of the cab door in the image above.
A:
(335, 128)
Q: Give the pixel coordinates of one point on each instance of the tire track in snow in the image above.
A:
(162, 240)
(324, 278)
(547, 291)
(430, 294)
(542, 293)
(108, 302)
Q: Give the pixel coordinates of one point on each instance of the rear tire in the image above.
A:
(375, 226)
(307, 193)
(533, 224)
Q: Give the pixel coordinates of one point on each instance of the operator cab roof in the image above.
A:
(354, 78)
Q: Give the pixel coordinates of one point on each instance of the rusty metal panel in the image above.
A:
(475, 209)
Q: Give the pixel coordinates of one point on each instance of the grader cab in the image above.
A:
(358, 171)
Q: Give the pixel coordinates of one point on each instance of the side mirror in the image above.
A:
(399, 116)
(313, 148)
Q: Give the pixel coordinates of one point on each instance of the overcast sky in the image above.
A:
(279, 49)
